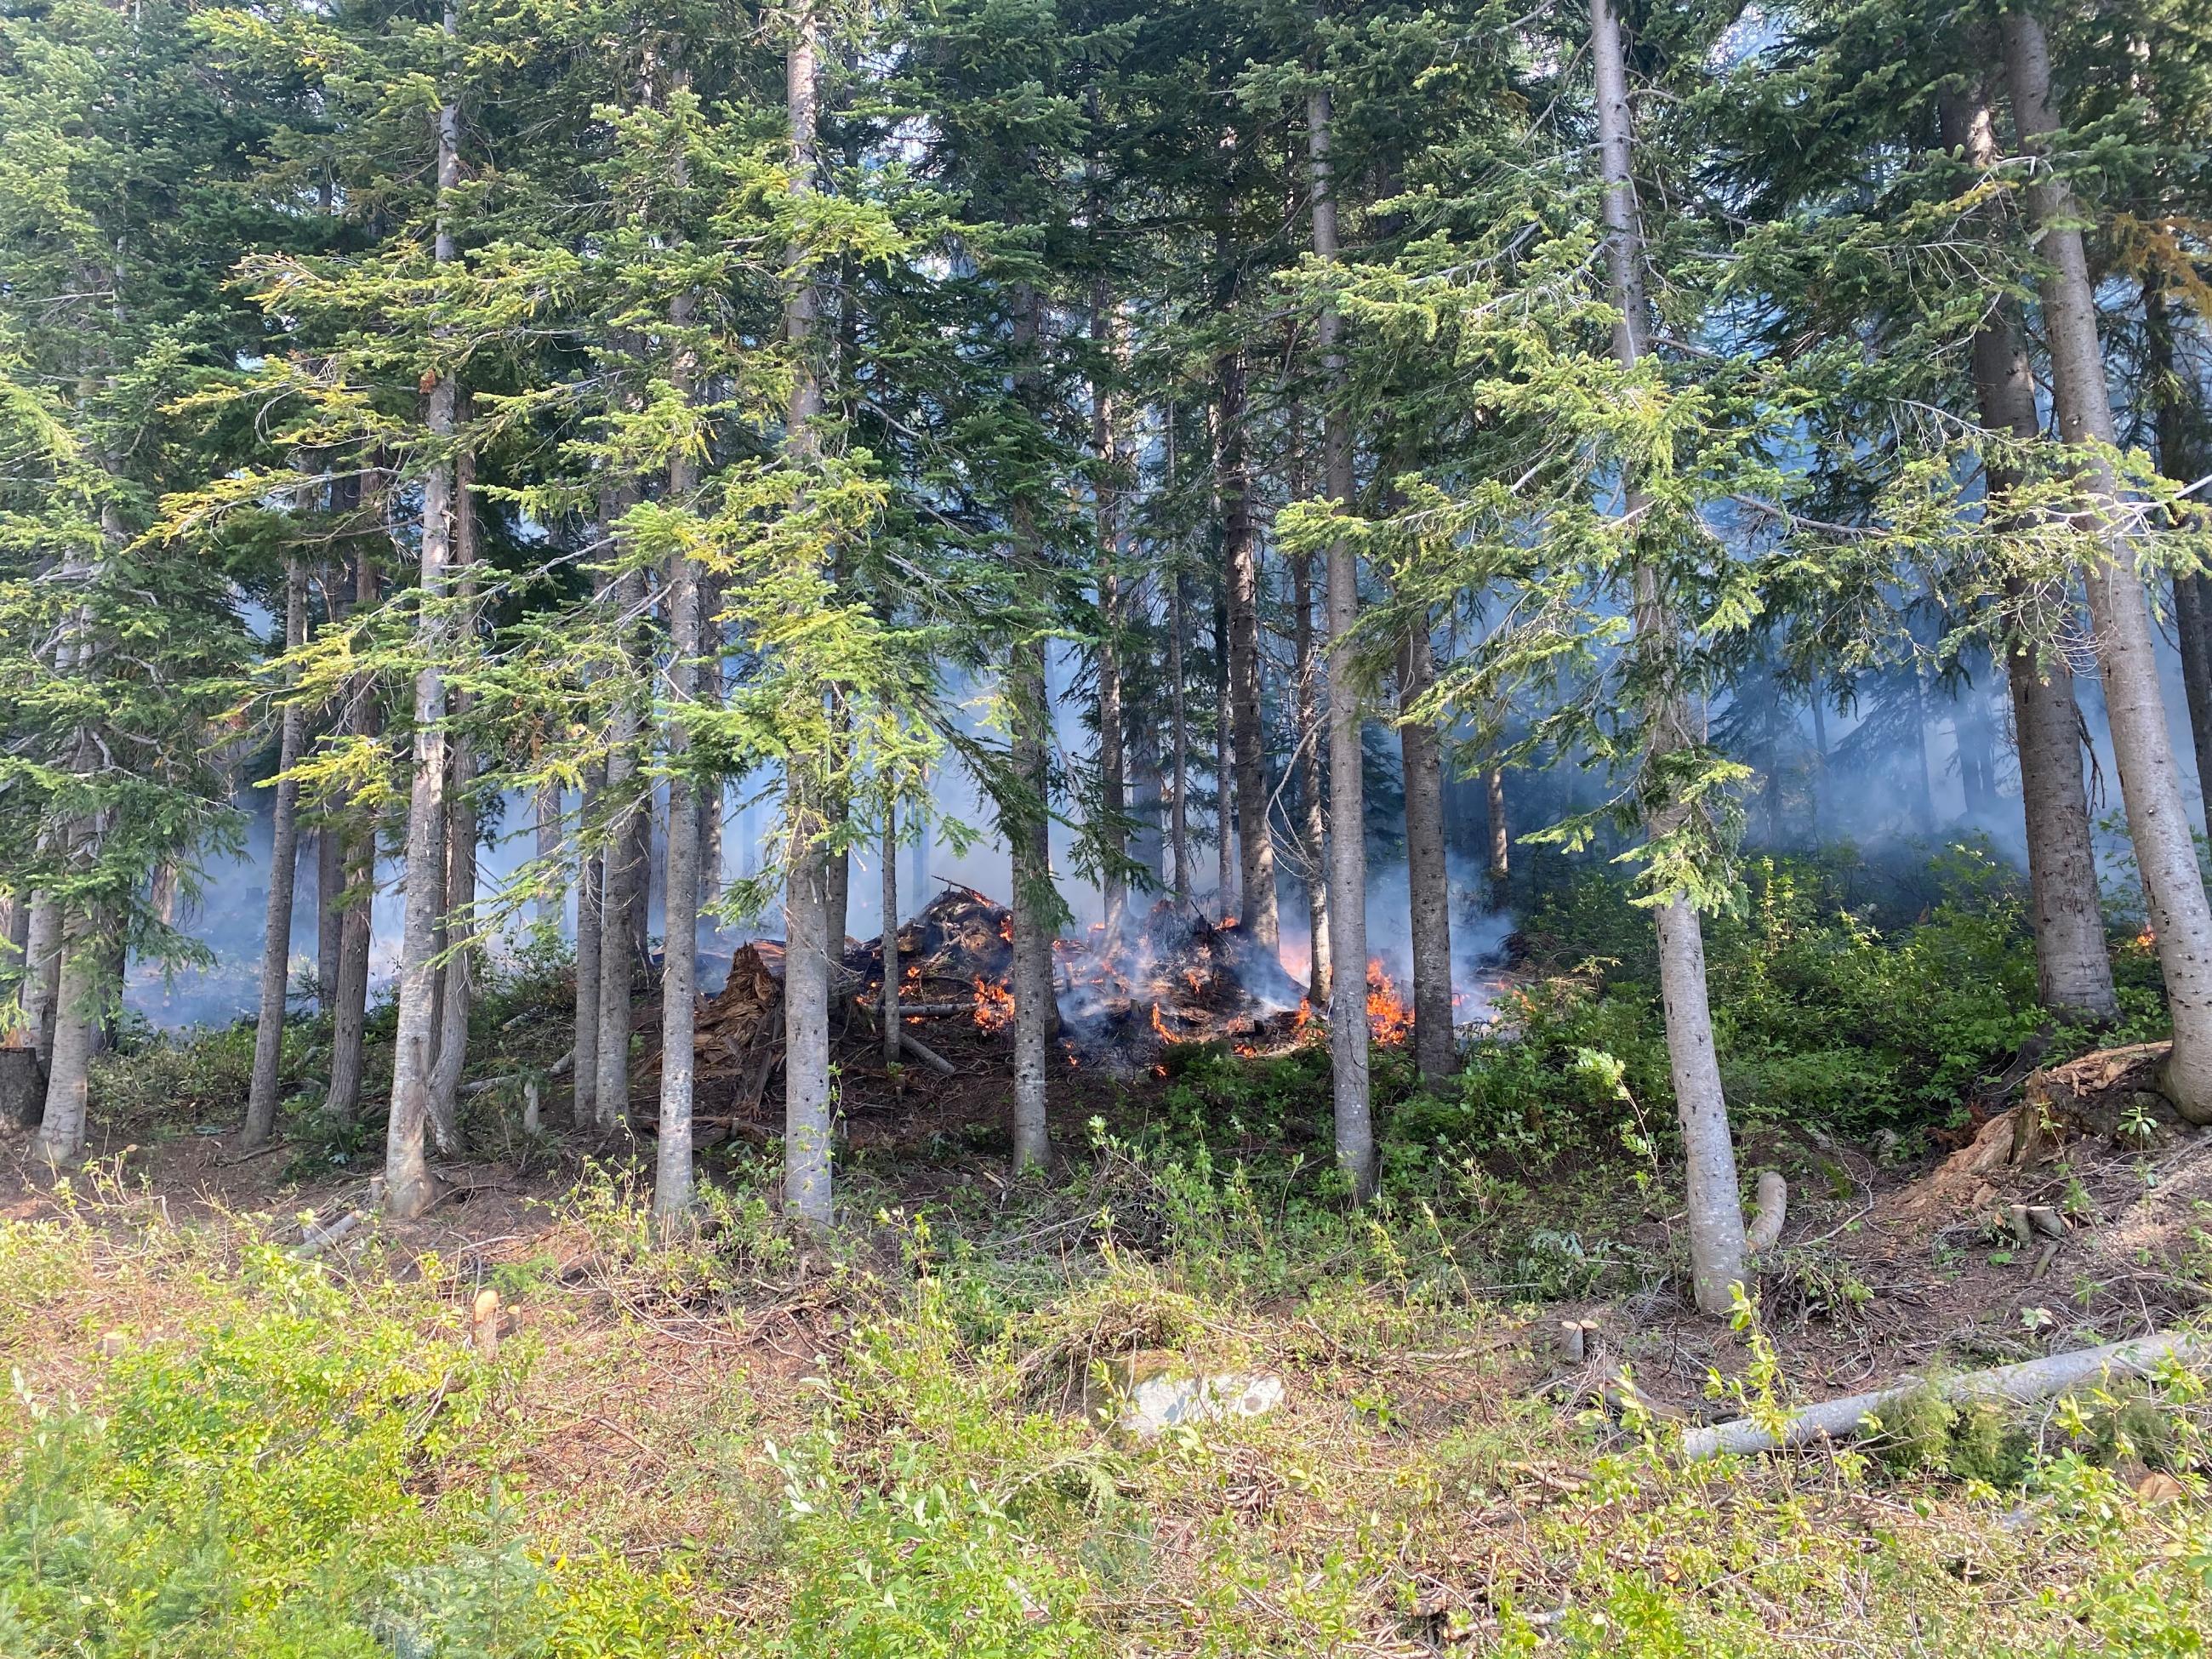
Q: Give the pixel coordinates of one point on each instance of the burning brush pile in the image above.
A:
(1176, 978)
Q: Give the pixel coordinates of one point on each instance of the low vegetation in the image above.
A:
(877, 1443)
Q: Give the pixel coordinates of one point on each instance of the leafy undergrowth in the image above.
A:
(872, 1446)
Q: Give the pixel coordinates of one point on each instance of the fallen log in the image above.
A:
(320, 1238)
(2018, 1385)
(927, 1056)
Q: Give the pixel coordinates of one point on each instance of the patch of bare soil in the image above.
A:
(2077, 1215)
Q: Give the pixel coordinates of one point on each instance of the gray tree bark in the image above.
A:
(1112, 781)
(1035, 1001)
(330, 923)
(409, 1188)
(2150, 780)
(890, 903)
(61, 1137)
(618, 895)
(283, 874)
(551, 903)
(1224, 772)
(1178, 736)
(807, 1195)
(42, 972)
(1256, 910)
(1312, 816)
(1715, 1201)
(1347, 813)
(2172, 398)
(590, 935)
(456, 985)
(672, 1189)
(1501, 837)
(2074, 969)
(1427, 884)
(1036, 1006)
(349, 1002)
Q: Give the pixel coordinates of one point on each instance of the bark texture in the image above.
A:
(456, 984)
(2150, 779)
(891, 908)
(349, 1013)
(283, 876)
(1312, 819)
(1256, 910)
(2074, 970)
(807, 1121)
(61, 1137)
(1428, 890)
(590, 935)
(672, 1193)
(1036, 1007)
(1347, 813)
(1112, 790)
(1715, 1203)
(409, 1187)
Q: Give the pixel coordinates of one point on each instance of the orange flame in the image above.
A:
(1006, 927)
(994, 1006)
(1304, 1014)
(1389, 1018)
(1158, 1026)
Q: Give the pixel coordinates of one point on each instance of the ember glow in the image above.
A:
(994, 1006)
(1389, 1018)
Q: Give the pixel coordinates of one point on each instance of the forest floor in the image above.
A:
(876, 1444)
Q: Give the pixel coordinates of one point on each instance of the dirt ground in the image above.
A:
(1883, 1271)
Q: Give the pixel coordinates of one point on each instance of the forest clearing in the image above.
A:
(891, 828)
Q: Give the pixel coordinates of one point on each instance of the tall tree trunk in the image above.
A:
(1428, 888)
(1978, 766)
(1922, 776)
(672, 1195)
(61, 1137)
(1036, 1009)
(1112, 783)
(1715, 1203)
(890, 907)
(356, 921)
(1225, 775)
(2150, 781)
(551, 903)
(707, 691)
(808, 1122)
(456, 987)
(591, 939)
(1501, 835)
(673, 1191)
(1178, 736)
(1256, 843)
(1820, 760)
(1347, 813)
(409, 1187)
(1035, 1003)
(283, 872)
(619, 897)
(42, 973)
(329, 921)
(1312, 819)
(2171, 399)
(1147, 845)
